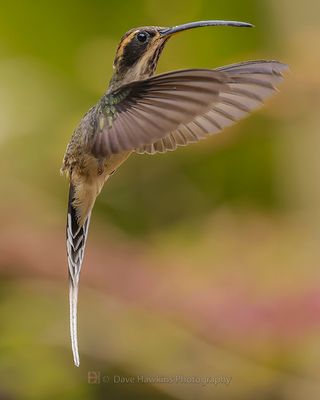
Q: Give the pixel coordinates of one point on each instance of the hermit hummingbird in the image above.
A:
(146, 113)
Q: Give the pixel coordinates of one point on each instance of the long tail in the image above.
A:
(76, 241)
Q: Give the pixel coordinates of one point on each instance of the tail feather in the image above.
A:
(73, 300)
(76, 241)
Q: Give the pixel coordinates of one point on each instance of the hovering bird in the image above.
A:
(143, 113)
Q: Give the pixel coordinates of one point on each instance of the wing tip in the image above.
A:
(279, 67)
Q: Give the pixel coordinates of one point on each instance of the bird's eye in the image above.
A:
(142, 37)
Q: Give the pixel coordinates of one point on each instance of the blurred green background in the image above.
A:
(200, 263)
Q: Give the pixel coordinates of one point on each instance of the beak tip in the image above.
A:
(240, 24)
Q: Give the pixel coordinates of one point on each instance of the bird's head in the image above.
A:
(139, 50)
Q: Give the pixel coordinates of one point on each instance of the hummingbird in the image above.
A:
(147, 114)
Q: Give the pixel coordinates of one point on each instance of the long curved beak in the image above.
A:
(179, 28)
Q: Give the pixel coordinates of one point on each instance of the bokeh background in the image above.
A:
(200, 263)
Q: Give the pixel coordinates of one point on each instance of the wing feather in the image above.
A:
(153, 108)
(180, 107)
(248, 85)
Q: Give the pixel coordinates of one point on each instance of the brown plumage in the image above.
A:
(143, 113)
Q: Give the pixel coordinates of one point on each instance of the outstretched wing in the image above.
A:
(145, 111)
(180, 107)
(249, 84)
